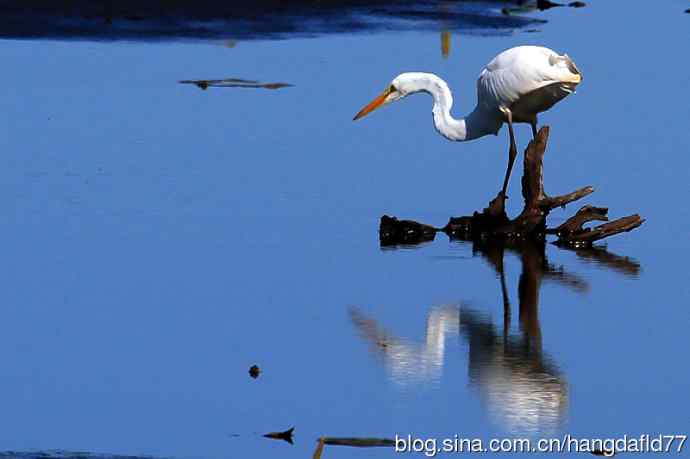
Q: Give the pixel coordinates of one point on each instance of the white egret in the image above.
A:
(514, 87)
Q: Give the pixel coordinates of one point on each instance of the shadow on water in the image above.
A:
(246, 20)
(519, 383)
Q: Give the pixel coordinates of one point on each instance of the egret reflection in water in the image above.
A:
(520, 384)
(410, 361)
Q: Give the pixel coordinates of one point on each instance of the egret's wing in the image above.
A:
(521, 70)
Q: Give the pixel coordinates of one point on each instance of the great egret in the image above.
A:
(515, 86)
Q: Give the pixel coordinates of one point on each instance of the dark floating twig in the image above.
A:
(254, 371)
(358, 442)
(546, 4)
(541, 5)
(445, 44)
(234, 83)
(603, 452)
(493, 222)
(319, 449)
(285, 436)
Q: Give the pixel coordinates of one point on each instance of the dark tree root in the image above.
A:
(404, 232)
(492, 222)
(572, 232)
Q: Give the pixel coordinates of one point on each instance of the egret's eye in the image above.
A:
(392, 88)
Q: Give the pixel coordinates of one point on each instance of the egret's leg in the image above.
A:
(533, 123)
(512, 152)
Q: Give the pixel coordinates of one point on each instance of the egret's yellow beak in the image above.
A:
(374, 104)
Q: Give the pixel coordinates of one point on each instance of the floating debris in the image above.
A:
(234, 83)
(319, 449)
(445, 43)
(285, 436)
(358, 442)
(62, 454)
(254, 371)
(541, 5)
(603, 452)
(546, 4)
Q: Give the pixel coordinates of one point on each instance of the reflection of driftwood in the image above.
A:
(602, 257)
(522, 386)
(493, 222)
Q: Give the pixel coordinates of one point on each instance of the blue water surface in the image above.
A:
(158, 240)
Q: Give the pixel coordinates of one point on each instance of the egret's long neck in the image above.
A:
(468, 128)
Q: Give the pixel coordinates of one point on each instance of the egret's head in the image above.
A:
(403, 85)
(396, 90)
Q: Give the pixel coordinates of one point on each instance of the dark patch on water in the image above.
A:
(59, 454)
(261, 19)
(234, 83)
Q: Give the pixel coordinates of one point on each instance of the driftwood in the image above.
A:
(493, 222)
(357, 442)
(572, 233)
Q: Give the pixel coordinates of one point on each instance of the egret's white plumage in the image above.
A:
(515, 86)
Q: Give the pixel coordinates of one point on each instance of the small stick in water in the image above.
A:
(358, 442)
(234, 83)
(285, 436)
